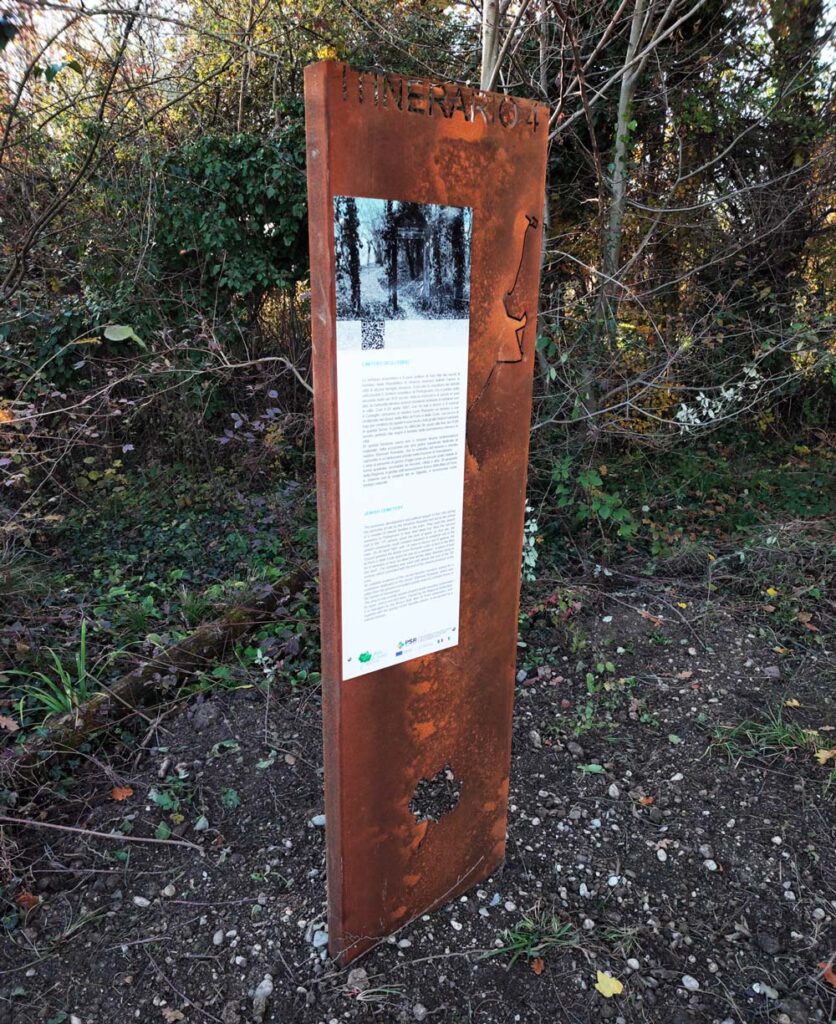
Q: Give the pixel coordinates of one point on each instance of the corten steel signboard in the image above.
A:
(425, 204)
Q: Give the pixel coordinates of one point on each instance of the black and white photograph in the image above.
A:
(401, 261)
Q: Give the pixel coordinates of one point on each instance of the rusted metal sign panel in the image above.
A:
(425, 230)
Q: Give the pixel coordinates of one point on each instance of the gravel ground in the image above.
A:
(701, 878)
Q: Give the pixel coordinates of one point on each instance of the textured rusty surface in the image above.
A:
(385, 731)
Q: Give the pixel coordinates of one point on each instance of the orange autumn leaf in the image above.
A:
(646, 801)
(538, 965)
(655, 619)
(121, 792)
(28, 900)
(828, 974)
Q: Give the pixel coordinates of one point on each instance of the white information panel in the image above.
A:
(403, 277)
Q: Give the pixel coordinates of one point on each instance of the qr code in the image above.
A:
(371, 334)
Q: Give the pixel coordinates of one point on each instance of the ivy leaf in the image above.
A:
(123, 332)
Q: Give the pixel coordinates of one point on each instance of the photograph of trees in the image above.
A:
(401, 260)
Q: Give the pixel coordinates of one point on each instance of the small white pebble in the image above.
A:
(661, 855)
(141, 901)
(710, 865)
(690, 983)
(456, 925)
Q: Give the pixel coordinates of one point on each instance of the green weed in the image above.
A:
(61, 690)
(537, 933)
(770, 738)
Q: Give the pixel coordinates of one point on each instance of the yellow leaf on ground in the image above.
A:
(823, 756)
(608, 986)
(681, 604)
(792, 703)
(772, 592)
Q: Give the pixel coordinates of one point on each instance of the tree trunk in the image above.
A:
(490, 41)
(610, 287)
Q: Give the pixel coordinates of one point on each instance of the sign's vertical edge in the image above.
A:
(531, 328)
(324, 364)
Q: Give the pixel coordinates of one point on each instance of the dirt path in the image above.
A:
(702, 880)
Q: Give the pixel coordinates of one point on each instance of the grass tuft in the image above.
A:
(770, 738)
(537, 932)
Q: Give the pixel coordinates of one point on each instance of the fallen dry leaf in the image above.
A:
(650, 618)
(804, 616)
(823, 756)
(792, 703)
(28, 900)
(684, 675)
(171, 1015)
(828, 974)
(9, 724)
(121, 792)
(646, 801)
(608, 986)
(538, 965)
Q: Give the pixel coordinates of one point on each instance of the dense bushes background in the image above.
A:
(153, 255)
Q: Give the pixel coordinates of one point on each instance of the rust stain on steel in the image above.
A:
(408, 139)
